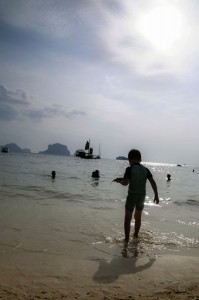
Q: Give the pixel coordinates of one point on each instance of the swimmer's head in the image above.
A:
(53, 174)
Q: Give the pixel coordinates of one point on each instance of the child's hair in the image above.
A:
(134, 154)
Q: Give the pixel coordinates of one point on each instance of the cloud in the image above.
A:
(12, 105)
(58, 19)
(23, 44)
(12, 97)
(105, 31)
(35, 30)
(52, 112)
(7, 113)
(131, 48)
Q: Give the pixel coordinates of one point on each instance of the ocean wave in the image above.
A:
(149, 244)
(191, 202)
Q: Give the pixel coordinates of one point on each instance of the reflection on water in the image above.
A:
(95, 182)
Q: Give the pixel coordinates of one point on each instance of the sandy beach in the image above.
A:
(33, 277)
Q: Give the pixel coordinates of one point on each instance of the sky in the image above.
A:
(122, 73)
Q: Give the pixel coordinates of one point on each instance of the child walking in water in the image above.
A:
(136, 176)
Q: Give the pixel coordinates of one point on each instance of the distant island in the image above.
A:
(12, 147)
(122, 158)
(56, 149)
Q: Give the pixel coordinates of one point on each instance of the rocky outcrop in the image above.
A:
(56, 149)
(12, 147)
(122, 158)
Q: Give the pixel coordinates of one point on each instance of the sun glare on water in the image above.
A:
(161, 26)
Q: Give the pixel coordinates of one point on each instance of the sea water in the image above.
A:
(81, 217)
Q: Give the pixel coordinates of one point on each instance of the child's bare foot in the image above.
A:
(125, 250)
(126, 241)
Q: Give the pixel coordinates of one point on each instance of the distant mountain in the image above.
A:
(122, 158)
(14, 148)
(56, 149)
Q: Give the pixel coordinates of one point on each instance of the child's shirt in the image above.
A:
(137, 175)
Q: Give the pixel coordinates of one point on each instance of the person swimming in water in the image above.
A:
(168, 177)
(53, 174)
(95, 174)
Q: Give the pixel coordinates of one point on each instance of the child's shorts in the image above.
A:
(135, 201)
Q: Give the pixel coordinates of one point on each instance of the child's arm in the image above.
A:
(123, 181)
(154, 187)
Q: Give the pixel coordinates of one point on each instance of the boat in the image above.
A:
(88, 153)
(4, 149)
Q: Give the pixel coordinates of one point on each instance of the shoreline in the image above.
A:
(171, 276)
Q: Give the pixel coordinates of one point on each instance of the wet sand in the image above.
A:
(36, 276)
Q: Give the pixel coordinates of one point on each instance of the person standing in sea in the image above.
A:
(136, 176)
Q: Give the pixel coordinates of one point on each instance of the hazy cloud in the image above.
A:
(12, 97)
(12, 107)
(123, 73)
(7, 113)
(52, 112)
(65, 30)
(11, 103)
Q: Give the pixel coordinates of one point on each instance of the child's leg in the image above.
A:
(127, 224)
(137, 217)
